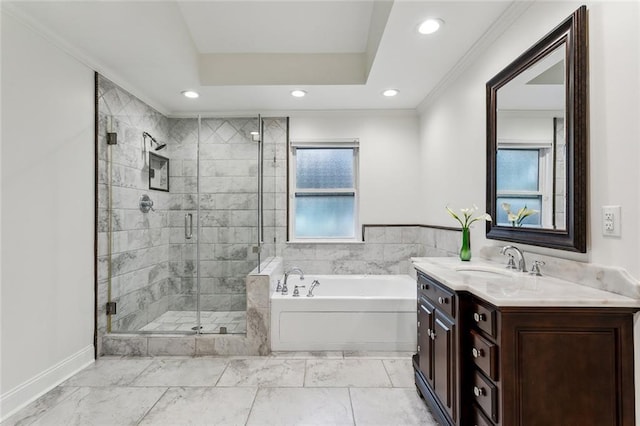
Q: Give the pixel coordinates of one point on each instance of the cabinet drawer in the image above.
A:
(440, 296)
(485, 394)
(485, 355)
(484, 318)
(479, 419)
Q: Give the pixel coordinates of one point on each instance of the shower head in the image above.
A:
(159, 146)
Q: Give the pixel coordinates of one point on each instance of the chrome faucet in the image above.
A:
(522, 265)
(314, 284)
(285, 289)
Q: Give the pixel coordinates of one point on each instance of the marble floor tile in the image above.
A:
(389, 407)
(202, 406)
(346, 372)
(308, 355)
(400, 372)
(31, 412)
(301, 406)
(264, 372)
(102, 406)
(110, 371)
(182, 372)
(378, 354)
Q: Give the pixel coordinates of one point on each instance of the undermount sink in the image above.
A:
(484, 271)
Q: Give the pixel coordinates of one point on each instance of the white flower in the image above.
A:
(466, 219)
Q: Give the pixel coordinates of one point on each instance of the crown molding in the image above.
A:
(504, 21)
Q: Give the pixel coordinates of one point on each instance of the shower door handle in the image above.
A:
(188, 226)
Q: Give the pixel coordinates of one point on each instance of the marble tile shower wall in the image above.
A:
(138, 264)
(228, 171)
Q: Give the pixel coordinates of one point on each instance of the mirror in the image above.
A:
(537, 142)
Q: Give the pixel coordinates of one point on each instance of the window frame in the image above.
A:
(293, 191)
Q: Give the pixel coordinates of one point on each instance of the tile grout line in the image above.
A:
(154, 404)
(353, 412)
(253, 403)
(224, 370)
(387, 371)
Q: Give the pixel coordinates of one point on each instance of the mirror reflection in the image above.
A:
(531, 157)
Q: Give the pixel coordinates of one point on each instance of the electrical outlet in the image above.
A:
(611, 221)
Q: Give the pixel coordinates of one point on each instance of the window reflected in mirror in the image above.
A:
(531, 155)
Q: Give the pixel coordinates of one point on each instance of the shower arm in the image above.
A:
(147, 135)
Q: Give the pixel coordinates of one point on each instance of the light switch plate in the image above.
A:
(611, 221)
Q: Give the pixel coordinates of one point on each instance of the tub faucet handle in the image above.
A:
(279, 286)
(296, 292)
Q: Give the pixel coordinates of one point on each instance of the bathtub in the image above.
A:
(347, 312)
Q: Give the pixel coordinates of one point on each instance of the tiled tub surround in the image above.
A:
(346, 312)
(256, 341)
(386, 250)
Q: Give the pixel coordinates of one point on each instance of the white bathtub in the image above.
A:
(347, 312)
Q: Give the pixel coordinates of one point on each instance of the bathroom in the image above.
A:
(414, 161)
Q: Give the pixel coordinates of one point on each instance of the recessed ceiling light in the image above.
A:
(298, 93)
(430, 26)
(390, 92)
(190, 94)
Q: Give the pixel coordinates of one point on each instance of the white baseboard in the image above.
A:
(32, 389)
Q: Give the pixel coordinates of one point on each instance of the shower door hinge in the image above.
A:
(112, 138)
(111, 308)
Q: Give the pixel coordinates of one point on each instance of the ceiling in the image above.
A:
(246, 56)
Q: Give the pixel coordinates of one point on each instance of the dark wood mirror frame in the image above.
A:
(573, 32)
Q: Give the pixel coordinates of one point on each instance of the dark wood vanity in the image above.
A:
(479, 364)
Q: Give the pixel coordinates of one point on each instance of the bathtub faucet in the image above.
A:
(314, 284)
(285, 289)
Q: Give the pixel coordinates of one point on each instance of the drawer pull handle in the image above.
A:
(478, 391)
(433, 335)
(477, 317)
(477, 353)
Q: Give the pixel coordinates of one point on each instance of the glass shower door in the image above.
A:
(228, 172)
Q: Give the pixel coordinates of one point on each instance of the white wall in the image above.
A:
(47, 215)
(452, 128)
(389, 166)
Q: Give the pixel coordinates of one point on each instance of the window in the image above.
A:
(323, 179)
(521, 181)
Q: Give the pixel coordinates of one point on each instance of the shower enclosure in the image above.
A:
(182, 214)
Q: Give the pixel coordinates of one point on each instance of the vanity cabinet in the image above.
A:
(512, 365)
(436, 362)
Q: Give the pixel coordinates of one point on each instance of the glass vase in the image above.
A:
(465, 249)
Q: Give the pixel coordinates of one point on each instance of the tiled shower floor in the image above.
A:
(234, 321)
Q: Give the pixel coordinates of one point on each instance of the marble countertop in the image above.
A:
(497, 285)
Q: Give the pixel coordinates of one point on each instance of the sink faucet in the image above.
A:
(522, 266)
(285, 289)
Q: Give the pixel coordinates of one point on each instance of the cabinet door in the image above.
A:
(444, 353)
(425, 344)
